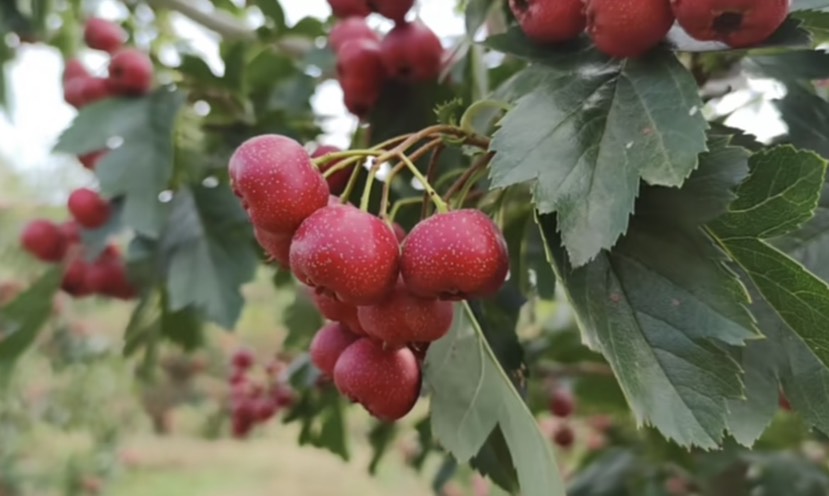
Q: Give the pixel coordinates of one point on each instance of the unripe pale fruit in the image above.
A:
(328, 344)
(338, 311)
(362, 75)
(348, 253)
(277, 181)
(130, 73)
(44, 240)
(395, 10)
(349, 8)
(412, 53)
(351, 28)
(455, 256)
(550, 21)
(100, 34)
(403, 318)
(337, 181)
(277, 246)
(628, 28)
(385, 382)
(88, 208)
(739, 23)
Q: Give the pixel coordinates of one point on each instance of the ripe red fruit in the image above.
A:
(412, 53)
(564, 436)
(130, 73)
(88, 208)
(561, 403)
(399, 232)
(403, 318)
(74, 69)
(44, 240)
(455, 256)
(337, 181)
(328, 344)
(242, 359)
(361, 74)
(107, 276)
(277, 246)
(90, 160)
(395, 10)
(74, 279)
(385, 382)
(347, 253)
(71, 231)
(550, 21)
(628, 28)
(739, 23)
(338, 311)
(73, 91)
(100, 34)
(348, 8)
(351, 28)
(94, 90)
(276, 179)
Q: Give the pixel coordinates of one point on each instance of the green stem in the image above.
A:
(460, 184)
(372, 175)
(351, 184)
(348, 154)
(399, 204)
(342, 166)
(468, 187)
(384, 204)
(440, 205)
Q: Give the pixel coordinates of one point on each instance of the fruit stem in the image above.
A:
(474, 110)
(440, 205)
(460, 184)
(431, 172)
(384, 203)
(347, 154)
(341, 166)
(351, 184)
(372, 175)
(468, 187)
(399, 204)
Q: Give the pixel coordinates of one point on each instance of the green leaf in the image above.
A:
(320, 412)
(96, 240)
(590, 130)
(471, 395)
(786, 473)
(302, 319)
(494, 461)
(608, 475)
(184, 327)
(142, 166)
(22, 319)
(273, 11)
(809, 5)
(796, 64)
(209, 253)
(476, 12)
(380, 437)
(809, 245)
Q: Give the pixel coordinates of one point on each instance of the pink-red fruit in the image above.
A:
(88, 208)
(564, 436)
(412, 53)
(385, 382)
(277, 246)
(550, 21)
(403, 318)
(277, 181)
(455, 256)
(100, 34)
(130, 73)
(338, 180)
(74, 68)
(347, 253)
(242, 359)
(395, 10)
(628, 28)
(44, 240)
(351, 28)
(739, 23)
(362, 75)
(328, 344)
(562, 403)
(338, 311)
(348, 8)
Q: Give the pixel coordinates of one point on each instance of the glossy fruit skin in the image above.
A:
(88, 208)
(338, 311)
(349, 8)
(385, 382)
(130, 73)
(277, 181)
(343, 251)
(628, 28)
(550, 21)
(739, 23)
(403, 318)
(91, 159)
(337, 181)
(100, 34)
(361, 74)
(277, 246)
(412, 53)
(351, 28)
(328, 344)
(395, 10)
(44, 240)
(456, 255)
(561, 403)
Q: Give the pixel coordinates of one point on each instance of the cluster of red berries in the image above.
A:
(387, 293)
(631, 28)
(562, 406)
(409, 53)
(130, 73)
(255, 402)
(53, 243)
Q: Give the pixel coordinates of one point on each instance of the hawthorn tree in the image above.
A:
(665, 269)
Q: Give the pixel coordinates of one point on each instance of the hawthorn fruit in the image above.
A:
(550, 21)
(738, 23)
(100, 34)
(130, 73)
(412, 53)
(337, 181)
(628, 28)
(361, 74)
(328, 344)
(348, 29)
(88, 208)
(44, 240)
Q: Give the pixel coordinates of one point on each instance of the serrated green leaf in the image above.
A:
(322, 418)
(815, 22)
(786, 473)
(471, 395)
(142, 166)
(590, 131)
(302, 319)
(494, 461)
(796, 64)
(183, 328)
(22, 319)
(476, 12)
(96, 240)
(209, 253)
(809, 245)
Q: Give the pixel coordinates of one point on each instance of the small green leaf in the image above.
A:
(796, 64)
(22, 319)
(302, 319)
(476, 12)
(273, 11)
(608, 475)
(209, 253)
(590, 130)
(471, 395)
(322, 418)
(380, 437)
